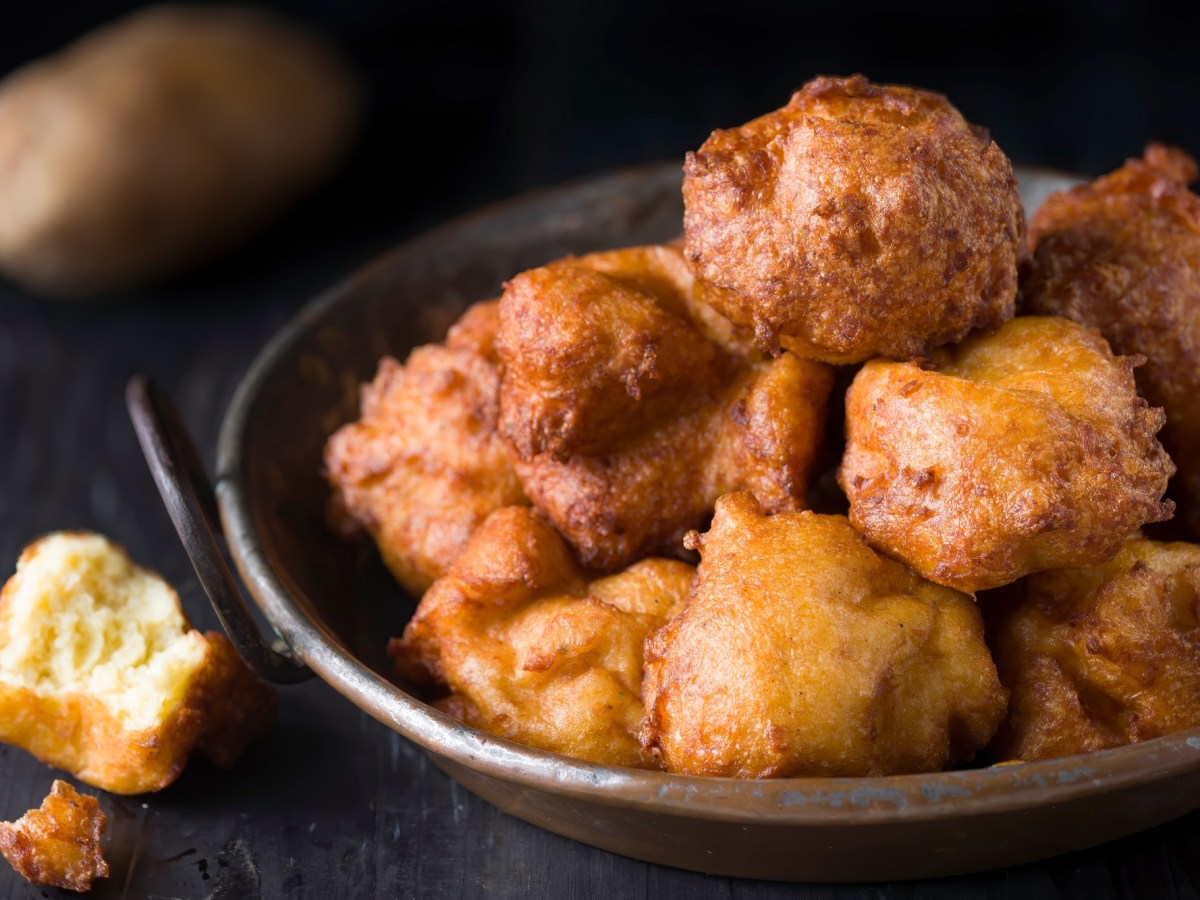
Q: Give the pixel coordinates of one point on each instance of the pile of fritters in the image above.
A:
(601, 482)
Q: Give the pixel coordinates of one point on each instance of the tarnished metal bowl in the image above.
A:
(334, 605)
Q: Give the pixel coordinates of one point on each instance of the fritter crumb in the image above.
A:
(58, 845)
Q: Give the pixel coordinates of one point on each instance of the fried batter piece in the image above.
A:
(1102, 656)
(599, 347)
(631, 406)
(535, 652)
(859, 220)
(761, 433)
(58, 845)
(1011, 453)
(423, 465)
(1122, 254)
(102, 675)
(804, 652)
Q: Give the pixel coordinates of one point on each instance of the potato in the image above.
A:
(159, 140)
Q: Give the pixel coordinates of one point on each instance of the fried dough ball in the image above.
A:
(859, 220)
(101, 673)
(804, 652)
(631, 406)
(1122, 254)
(423, 465)
(761, 433)
(602, 346)
(535, 652)
(58, 844)
(1102, 656)
(1011, 453)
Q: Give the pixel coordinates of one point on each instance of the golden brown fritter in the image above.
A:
(101, 673)
(535, 652)
(1011, 453)
(632, 406)
(804, 652)
(761, 433)
(859, 220)
(599, 347)
(423, 465)
(1101, 656)
(58, 845)
(1122, 254)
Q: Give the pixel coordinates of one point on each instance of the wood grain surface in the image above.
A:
(332, 805)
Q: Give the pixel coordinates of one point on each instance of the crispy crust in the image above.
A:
(1101, 656)
(223, 708)
(423, 465)
(761, 433)
(630, 406)
(1012, 453)
(535, 651)
(859, 220)
(1122, 254)
(600, 347)
(803, 652)
(58, 844)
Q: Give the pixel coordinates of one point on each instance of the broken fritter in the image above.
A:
(58, 845)
(534, 651)
(859, 220)
(423, 466)
(1122, 254)
(630, 406)
(102, 675)
(1101, 656)
(804, 652)
(1011, 453)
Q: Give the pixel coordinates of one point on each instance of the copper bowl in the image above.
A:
(334, 606)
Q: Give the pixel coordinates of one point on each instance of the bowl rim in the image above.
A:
(785, 801)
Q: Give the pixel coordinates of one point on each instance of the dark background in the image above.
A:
(472, 102)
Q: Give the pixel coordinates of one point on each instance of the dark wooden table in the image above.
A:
(332, 805)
